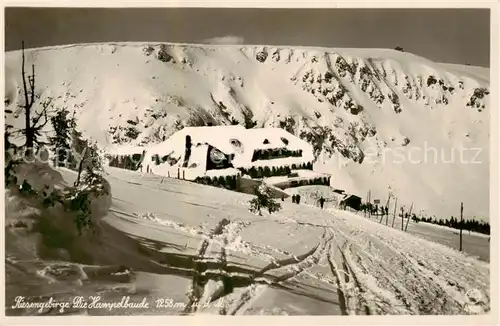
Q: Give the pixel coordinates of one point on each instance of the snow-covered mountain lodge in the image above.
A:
(229, 152)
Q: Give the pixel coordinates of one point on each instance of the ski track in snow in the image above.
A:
(364, 281)
(369, 268)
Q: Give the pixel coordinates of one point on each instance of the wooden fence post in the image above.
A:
(402, 218)
(387, 205)
(409, 216)
(369, 205)
(394, 216)
(461, 220)
(366, 203)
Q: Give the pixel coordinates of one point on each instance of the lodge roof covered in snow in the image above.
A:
(239, 141)
(247, 147)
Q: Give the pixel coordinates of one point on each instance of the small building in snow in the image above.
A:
(351, 201)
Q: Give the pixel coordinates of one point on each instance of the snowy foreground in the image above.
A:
(184, 248)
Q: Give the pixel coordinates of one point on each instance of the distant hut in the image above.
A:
(352, 201)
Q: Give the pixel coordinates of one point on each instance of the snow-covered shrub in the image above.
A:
(395, 102)
(276, 56)
(261, 56)
(431, 80)
(477, 96)
(79, 199)
(148, 50)
(263, 200)
(365, 71)
(288, 124)
(163, 54)
(328, 77)
(132, 132)
(40, 187)
(342, 66)
(356, 109)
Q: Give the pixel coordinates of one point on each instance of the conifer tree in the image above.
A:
(264, 200)
(60, 142)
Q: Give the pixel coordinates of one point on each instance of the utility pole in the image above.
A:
(366, 204)
(394, 216)
(387, 205)
(402, 217)
(461, 220)
(369, 205)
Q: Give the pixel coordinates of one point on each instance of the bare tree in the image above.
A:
(33, 119)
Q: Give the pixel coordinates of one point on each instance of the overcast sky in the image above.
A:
(443, 35)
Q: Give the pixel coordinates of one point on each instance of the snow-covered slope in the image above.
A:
(174, 240)
(371, 114)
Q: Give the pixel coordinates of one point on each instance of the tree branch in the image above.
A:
(32, 84)
(37, 118)
(26, 103)
(41, 114)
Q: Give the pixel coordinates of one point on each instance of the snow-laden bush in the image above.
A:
(36, 181)
(148, 50)
(79, 199)
(263, 200)
(163, 55)
(41, 186)
(431, 80)
(261, 56)
(477, 96)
